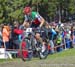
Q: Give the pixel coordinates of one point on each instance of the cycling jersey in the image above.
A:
(34, 18)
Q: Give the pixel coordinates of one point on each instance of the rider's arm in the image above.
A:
(41, 19)
(25, 21)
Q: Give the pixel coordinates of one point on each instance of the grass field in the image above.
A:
(61, 59)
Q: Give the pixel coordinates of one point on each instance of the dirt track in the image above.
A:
(19, 63)
(57, 62)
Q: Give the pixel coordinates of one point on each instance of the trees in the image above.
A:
(71, 6)
(13, 9)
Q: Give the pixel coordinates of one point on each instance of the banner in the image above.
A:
(2, 53)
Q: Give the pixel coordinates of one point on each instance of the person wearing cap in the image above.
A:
(34, 18)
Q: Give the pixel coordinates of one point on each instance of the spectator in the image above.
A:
(6, 36)
(59, 41)
(15, 35)
(1, 37)
(68, 38)
(38, 44)
(52, 33)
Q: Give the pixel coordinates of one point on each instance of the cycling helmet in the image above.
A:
(27, 10)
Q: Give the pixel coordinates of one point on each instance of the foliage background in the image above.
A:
(11, 10)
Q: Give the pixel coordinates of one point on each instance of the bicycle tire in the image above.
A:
(21, 51)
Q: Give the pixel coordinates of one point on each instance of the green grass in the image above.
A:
(70, 52)
(7, 60)
(65, 57)
(4, 60)
(64, 53)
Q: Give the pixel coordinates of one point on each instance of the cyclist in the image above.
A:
(34, 18)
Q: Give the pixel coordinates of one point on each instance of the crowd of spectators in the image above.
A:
(61, 35)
